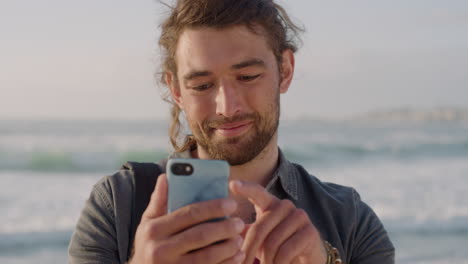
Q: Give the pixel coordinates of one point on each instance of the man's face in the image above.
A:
(228, 85)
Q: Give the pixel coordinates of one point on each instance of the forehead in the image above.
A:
(213, 49)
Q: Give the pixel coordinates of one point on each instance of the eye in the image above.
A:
(202, 87)
(247, 78)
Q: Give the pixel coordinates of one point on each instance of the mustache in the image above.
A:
(208, 124)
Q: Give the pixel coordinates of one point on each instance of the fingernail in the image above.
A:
(237, 183)
(229, 206)
(239, 257)
(239, 225)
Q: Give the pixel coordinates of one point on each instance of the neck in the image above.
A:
(258, 170)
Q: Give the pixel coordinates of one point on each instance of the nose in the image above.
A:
(228, 99)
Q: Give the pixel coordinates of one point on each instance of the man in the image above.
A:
(226, 64)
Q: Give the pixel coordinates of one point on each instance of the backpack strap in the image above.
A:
(144, 177)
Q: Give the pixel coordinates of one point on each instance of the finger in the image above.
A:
(206, 234)
(246, 229)
(292, 224)
(158, 201)
(215, 253)
(196, 213)
(294, 246)
(263, 226)
(236, 259)
(256, 194)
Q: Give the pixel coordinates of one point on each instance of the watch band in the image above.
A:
(333, 256)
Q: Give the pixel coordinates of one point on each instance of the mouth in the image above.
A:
(233, 129)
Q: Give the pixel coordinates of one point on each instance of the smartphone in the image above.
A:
(195, 180)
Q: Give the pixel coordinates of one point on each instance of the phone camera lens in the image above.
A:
(183, 169)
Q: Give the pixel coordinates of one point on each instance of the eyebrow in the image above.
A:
(195, 74)
(248, 63)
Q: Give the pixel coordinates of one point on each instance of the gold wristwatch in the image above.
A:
(333, 256)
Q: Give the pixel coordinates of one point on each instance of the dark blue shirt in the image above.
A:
(103, 229)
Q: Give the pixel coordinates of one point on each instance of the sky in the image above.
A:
(88, 59)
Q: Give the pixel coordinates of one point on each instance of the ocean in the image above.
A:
(413, 173)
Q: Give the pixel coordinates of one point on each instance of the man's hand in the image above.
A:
(281, 233)
(184, 236)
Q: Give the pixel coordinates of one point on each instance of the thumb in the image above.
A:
(158, 202)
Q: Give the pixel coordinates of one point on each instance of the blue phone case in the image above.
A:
(209, 180)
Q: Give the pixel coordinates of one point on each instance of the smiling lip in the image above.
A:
(233, 129)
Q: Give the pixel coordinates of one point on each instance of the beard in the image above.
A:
(241, 149)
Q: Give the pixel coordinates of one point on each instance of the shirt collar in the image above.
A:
(286, 175)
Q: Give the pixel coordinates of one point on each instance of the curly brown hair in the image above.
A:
(280, 32)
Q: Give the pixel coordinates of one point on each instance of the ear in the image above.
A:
(173, 85)
(287, 70)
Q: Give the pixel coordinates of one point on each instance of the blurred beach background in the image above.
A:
(412, 172)
(379, 102)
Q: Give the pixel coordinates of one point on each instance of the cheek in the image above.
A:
(263, 98)
(197, 110)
